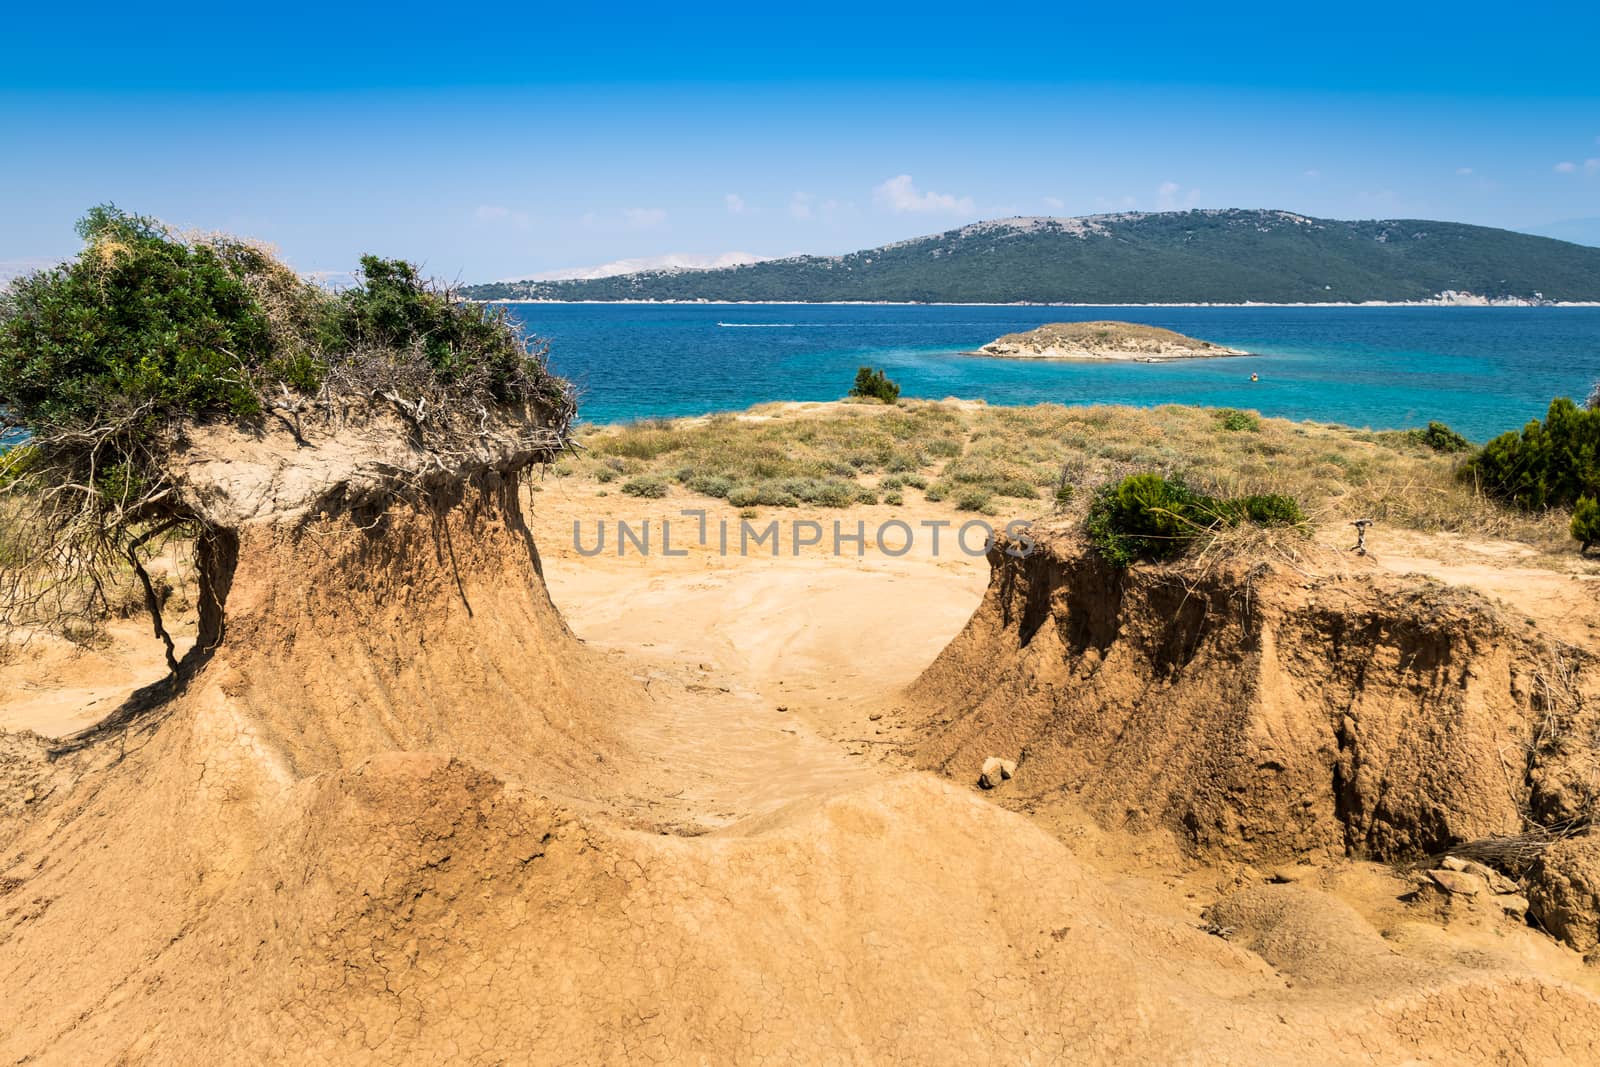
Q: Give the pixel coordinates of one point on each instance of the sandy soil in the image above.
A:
(775, 718)
(54, 687)
(1560, 595)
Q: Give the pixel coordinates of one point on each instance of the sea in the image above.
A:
(1482, 370)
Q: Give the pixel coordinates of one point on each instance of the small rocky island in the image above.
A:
(1103, 340)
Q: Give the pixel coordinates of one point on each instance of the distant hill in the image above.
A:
(1211, 256)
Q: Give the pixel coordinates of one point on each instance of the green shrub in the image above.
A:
(1440, 438)
(972, 500)
(1585, 525)
(943, 447)
(744, 496)
(893, 498)
(934, 494)
(1548, 464)
(1235, 421)
(875, 384)
(648, 486)
(1146, 516)
(829, 494)
(1271, 509)
(713, 485)
(915, 481)
(774, 496)
(1142, 516)
(105, 357)
(395, 308)
(139, 321)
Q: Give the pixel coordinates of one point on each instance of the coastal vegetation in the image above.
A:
(1203, 256)
(1035, 460)
(1147, 516)
(1585, 525)
(873, 384)
(1441, 438)
(1549, 464)
(109, 359)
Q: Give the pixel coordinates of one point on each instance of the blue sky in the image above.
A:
(491, 144)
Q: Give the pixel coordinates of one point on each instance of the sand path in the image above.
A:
(767, 672)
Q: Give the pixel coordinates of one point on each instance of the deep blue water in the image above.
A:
(1482, 370)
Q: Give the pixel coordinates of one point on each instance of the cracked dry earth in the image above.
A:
(406, 815)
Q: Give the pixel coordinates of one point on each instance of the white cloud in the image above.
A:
(1055, 203)
(1588, 166)
(735, 203)
(644, 218)
(672, 261)
(497, 213)
(1463, 171)
(1313, 173)
(800, 205)
(1168, 198)
(901, 194)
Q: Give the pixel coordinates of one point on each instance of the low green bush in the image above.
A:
(972, 500)
(744, 496)
(713, 485)
(1585, 524)
(1147, 516)
(875, 385)
(774, 496)
(1235, 421)
(648, 486)
(823, 492)
(1548, 464)
(1270, 509)
(1439, 437)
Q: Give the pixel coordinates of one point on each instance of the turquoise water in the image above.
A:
(1482, 370)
